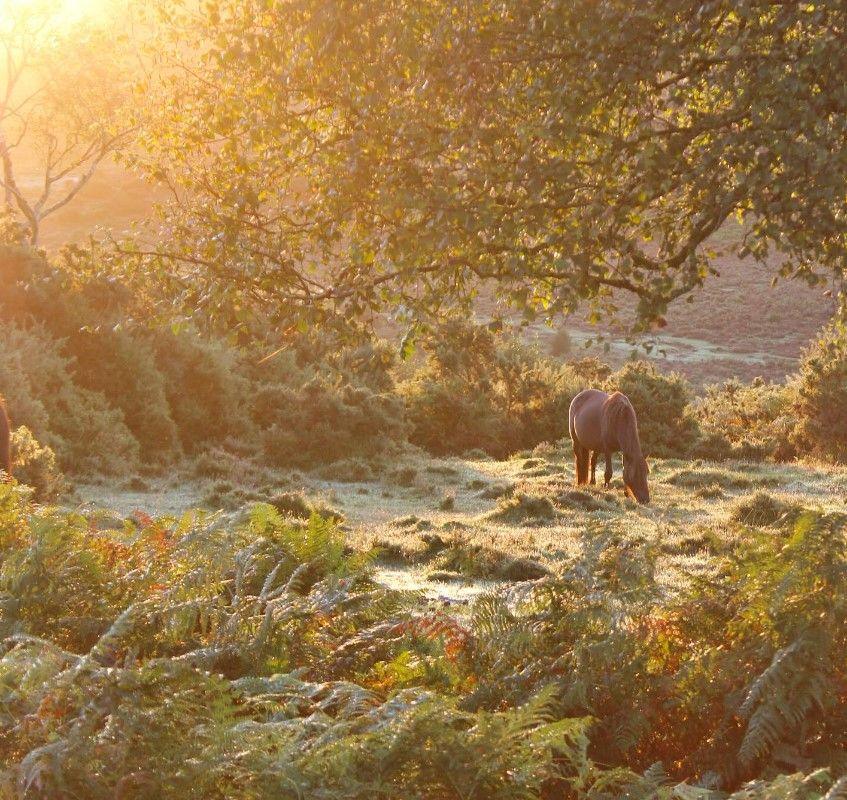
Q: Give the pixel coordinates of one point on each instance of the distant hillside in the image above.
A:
(738, 324)
(114, 199)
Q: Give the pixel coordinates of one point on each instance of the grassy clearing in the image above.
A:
(444, 521)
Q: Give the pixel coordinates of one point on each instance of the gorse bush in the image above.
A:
(323, 420)
(481, 390)
(665, 423)
(747, 421)
(78, 424)
(178, 659)
(205, 389)
(821, 400)
(36, 465)
(106, 395)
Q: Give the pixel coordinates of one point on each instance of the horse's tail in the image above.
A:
(580, 454)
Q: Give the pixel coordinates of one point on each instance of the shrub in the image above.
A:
(324, 420)
(122, 367)
(561, 344)
(746, 421)
(78, 322)
(35, 465)
(821, 400)
(591, 371)
(78, 424)
(665, 423)
(205, 388)
(481, 390)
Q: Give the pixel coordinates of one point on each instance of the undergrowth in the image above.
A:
(178, 658)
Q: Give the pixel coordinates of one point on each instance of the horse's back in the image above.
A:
(585, 418)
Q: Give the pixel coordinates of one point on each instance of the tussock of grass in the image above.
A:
(445, 576)
(442, 469)
(455, 525)
(523, 509)
(725, 479)
(586, 501)
(762, 510)
(476, 561)
(348, 470)
(691, 541)
(448, 503)
(713, 492)
(404, 476)
(412, 522)
(496, 491)
(522, 569)
(223, 495)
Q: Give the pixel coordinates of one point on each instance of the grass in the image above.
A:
(507, 520)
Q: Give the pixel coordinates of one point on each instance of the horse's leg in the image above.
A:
(594, 455)
(608, 473)
(580, 456)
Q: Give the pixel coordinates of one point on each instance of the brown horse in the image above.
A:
(5, 441)
(606, 423)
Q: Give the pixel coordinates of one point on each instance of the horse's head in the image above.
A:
(635, 479)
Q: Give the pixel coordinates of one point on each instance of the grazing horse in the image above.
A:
(5, 441)
(606, 423)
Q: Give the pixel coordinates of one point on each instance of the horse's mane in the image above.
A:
(619, 417)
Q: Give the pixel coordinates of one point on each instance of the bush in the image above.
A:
(324, 420)
(122, 367)
(746, 421)
(86, 434)
(481, 390)
(35, 465)
(561, 344)
(821, 398)
(666, 426)
(205, 389)
(591, 371)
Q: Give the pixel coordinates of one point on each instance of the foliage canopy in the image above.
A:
(399, 154)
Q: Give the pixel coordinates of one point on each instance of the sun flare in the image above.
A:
(62, 12)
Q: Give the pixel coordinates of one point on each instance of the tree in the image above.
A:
(61, 91)
(363, 154)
